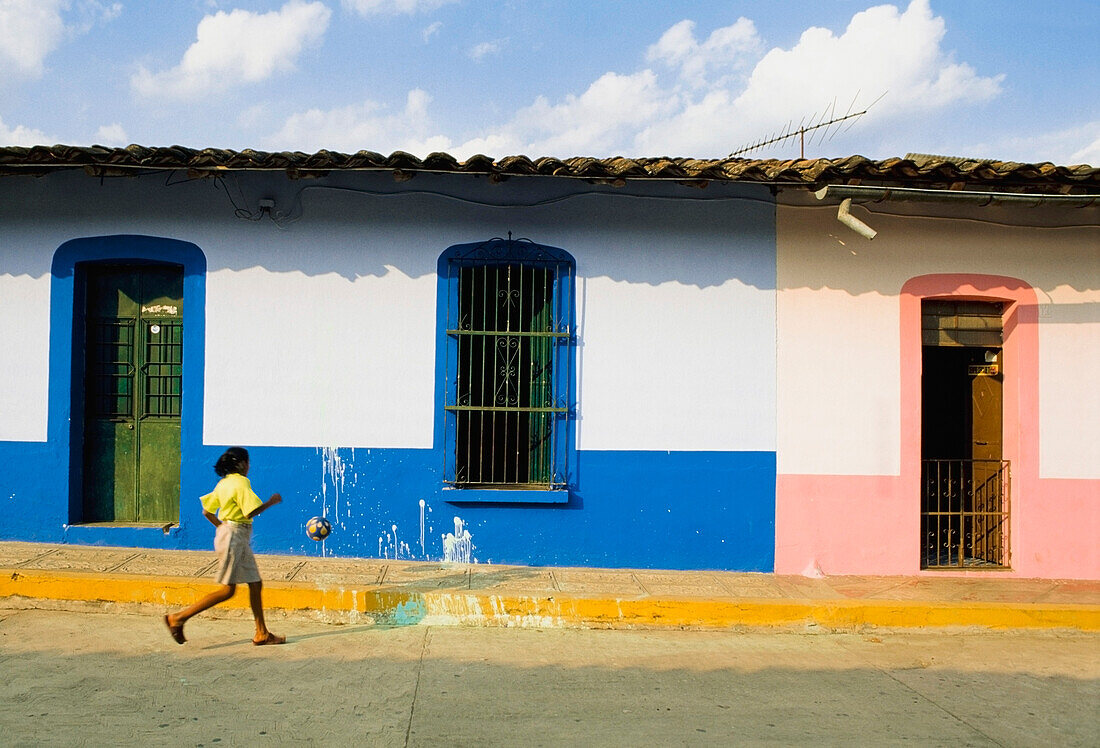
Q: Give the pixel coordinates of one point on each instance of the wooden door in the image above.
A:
(986, 429)
(132, 393)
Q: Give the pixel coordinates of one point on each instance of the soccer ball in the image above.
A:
(318, 528)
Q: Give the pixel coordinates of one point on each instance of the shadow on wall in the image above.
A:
(815, 251)
(359, 225)
(364, 225)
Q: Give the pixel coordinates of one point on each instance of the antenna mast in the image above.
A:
(790, 132)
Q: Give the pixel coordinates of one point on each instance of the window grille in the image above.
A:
(509, 333)
(111, 379)
(964, 522)
(163, 367)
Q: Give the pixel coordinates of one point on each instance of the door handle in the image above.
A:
(982, 444)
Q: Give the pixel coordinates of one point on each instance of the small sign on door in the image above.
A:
(984, 370)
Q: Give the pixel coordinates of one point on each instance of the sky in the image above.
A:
(1015, 80)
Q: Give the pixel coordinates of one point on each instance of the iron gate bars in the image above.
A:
(508, 328)
(965, 513)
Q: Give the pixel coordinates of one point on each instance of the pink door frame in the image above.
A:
(851, 524)
(1020, 416)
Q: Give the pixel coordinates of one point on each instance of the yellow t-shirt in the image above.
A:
(232, 499)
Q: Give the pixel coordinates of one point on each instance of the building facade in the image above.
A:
(652, 364)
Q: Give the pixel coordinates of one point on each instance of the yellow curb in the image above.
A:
(173, 592)
(694, 613)
(403, 606)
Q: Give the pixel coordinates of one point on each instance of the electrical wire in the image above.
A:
(280, 217)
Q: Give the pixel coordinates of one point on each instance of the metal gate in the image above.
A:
(965, 521)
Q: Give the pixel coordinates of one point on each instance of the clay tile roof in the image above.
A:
(915, 170)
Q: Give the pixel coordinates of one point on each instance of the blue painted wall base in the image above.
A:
(657, 510)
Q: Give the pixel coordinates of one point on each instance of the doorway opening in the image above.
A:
(131, 391)
(965, 481)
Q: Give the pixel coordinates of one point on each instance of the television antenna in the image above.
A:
(817, 126)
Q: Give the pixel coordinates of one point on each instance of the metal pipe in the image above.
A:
(916, 194)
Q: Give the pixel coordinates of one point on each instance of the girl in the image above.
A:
(230, 507)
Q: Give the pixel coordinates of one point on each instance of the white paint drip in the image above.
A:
(396, 543)
(458, 547)
(332, 471)
(422, 552)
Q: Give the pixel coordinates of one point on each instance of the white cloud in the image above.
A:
(727, 49)
(29, 31)
(239, 47)
(882, 49)
(1067, 146)
(486, 48)
(1090, 154)
(594, 123)
(108, 12)
(112, 134)
(362, 126)
(725, 89)
(20, 135)
(93, 12)
(254, 116)
(394, 7)
(431, 30)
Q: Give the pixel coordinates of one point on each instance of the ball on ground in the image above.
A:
(318, 528)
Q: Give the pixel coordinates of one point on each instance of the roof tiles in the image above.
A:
(914, 170)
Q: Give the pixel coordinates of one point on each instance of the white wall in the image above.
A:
(839, 326)
(24, 325)
(322, 332)
(1069, 385)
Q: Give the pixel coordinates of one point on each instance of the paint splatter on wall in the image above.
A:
(458, 547)
(332, 471)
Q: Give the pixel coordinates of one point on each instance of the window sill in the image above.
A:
(504, 496)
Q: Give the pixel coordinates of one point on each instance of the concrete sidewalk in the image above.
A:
(399, 592)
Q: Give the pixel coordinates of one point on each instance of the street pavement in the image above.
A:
(107, 679)
(398, 592)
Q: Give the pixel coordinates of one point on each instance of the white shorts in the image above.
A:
(236, 564)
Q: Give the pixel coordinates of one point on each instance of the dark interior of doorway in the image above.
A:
(964, 480)
(945, 417)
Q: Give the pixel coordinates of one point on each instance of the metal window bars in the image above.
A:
(509, 328)
(163, 368)
(112, 368)
(965, 515)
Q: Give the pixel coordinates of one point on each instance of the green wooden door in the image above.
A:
(132, 392)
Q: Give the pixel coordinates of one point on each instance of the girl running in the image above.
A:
(230, 507)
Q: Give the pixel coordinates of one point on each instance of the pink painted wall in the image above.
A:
(870, 524)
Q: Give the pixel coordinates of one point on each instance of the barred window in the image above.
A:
(509, 341)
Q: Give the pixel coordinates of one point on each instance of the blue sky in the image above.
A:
(1006, 79)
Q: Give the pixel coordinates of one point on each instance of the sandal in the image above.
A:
(270, 639)
(175, 631)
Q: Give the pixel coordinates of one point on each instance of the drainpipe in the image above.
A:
(852, 222)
